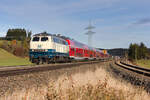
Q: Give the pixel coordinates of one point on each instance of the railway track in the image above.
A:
(17, 70)
(136, 75)
(133, 68)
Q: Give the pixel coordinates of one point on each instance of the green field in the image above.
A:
(7, 59)
(143, 63)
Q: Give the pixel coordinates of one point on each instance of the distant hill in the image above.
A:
(117, 52)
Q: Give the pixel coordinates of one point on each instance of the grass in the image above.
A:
(143, 63)
(1, 41)
(7, 59)
(100, 91)
(97, 85)
(93, 86)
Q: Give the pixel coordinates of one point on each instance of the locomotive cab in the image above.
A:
(40, 43)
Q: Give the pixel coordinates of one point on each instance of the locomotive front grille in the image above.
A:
(39, 50)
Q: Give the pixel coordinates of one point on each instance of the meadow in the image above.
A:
(143, 63)
(8, 59)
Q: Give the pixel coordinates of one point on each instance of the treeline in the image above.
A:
(18, 34)
(16, 42)
(138, 51)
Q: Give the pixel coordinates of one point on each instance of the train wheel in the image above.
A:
(54, 59)
(32, 60)
(68, 60)
(48, 61)
(37, 61)
(65, 59)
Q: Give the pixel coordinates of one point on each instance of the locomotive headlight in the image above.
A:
(32, 49)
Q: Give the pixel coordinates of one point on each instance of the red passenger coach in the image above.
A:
(99, 54)
(81, 51)
(76, 50)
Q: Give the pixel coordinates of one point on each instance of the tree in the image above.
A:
(25, 46)
(29, 33)
(16, 34)
(143, 51)
(130, 52)
(133, 51)
(137, 51)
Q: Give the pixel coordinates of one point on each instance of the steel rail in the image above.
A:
(137, 67)
(133, 68)
(17, 70)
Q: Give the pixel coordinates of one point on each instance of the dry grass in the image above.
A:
(143, 63)
(98, 85)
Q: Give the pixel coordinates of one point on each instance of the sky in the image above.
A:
(117, 22)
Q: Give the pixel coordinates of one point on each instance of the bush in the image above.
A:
(15, 48)
(5, 45)
(19, 51)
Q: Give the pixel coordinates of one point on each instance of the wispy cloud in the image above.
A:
(143, 21)
(40, 6)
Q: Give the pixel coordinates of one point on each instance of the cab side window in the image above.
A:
(44, 39)
(36, 39)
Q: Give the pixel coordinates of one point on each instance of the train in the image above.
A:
(50, 48)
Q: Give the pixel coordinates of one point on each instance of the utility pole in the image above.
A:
(90, 33)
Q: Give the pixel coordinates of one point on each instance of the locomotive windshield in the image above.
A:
(36, 39)
(44, 39)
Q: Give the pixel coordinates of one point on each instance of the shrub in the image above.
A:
(5, 45)
(13, 42)
(25, 45)
(19, 51)
(15, 48)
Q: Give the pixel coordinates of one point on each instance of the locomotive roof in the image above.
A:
(43, 34)
(48, 34)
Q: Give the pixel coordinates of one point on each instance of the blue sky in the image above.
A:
(117, 22)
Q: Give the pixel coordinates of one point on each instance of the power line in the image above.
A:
(90, 33)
